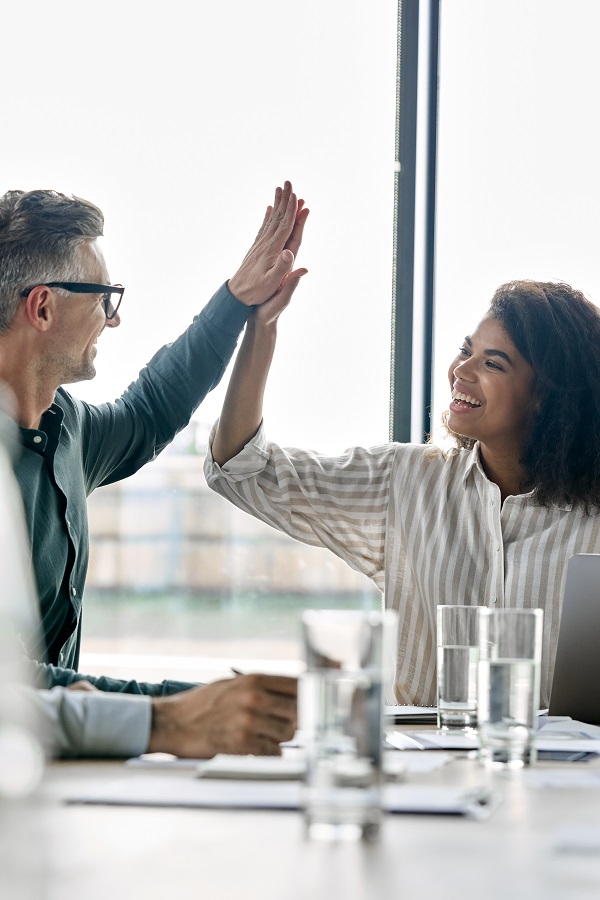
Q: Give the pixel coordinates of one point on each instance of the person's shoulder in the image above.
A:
(70, 407)
(428, 456)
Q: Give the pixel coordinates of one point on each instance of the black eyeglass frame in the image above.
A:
(86, 287)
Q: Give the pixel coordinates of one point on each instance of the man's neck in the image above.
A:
(29, 384)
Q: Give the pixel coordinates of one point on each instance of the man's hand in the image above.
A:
(268, 265)
(247, 714)
(81, 685)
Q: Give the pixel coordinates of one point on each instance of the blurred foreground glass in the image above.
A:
(457, 657)
(341, 712)
(510, 653)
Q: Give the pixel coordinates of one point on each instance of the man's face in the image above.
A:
(80, 320)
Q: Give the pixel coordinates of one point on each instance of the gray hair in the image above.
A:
(41, 233)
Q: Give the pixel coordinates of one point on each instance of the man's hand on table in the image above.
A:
(247, 714)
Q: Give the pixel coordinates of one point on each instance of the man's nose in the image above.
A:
(114, 322)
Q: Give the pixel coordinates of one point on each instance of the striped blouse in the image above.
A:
(426, 526)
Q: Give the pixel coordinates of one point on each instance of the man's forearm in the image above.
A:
(44, 675)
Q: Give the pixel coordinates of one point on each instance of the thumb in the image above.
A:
(289, 285)
(284, 263)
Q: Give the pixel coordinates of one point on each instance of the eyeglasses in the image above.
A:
(84, 287)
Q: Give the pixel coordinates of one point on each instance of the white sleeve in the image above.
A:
(336, 502)
(91, 723)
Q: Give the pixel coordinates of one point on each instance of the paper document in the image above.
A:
(411, 714)
(292, 767)
(577, 838)
(558, 735)
(270, 768)
(563, 778)
(179, 791)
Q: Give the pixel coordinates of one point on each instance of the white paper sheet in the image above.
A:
(178, 791)
(572, 779)
(554, 735)
(577, 838)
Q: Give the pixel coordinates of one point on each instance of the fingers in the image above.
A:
(81, 686)
(289, 285)
(265, 222)
(266, 707)
(268, 313)
(272, 695)
(270, 259)
(295, 239)
(284, 214)
(281, 267)
(277, 684)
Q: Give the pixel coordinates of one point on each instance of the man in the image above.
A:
(55, 302)
(249, 714)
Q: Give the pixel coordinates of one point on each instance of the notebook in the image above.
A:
(576, 683)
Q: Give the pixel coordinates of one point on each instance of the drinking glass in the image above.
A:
(510, 651)
(457, 657)
(341, 713)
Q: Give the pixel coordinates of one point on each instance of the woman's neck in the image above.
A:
(503, 469)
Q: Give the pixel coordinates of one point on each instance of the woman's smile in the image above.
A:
(492, 389)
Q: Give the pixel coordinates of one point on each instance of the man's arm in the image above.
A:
(249, 714)
(45, 675)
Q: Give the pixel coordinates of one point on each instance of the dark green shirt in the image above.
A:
(79, 447)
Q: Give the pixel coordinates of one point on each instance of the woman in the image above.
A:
(493, 522)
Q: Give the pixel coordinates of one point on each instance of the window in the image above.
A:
(178, 122)
(517, 188)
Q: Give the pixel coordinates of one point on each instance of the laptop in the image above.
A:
(576, 684)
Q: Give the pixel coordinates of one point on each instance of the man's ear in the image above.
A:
(40, 307)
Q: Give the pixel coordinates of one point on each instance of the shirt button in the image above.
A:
(493, 502)
(74, 591)
(37, 439)
(494, 599)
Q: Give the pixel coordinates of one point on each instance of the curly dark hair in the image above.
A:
(557, 330)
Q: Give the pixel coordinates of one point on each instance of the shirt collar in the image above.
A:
(37, 438)
(474, 463)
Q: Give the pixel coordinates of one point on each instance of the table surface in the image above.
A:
(105, 852)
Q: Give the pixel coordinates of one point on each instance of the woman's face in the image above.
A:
(492, 389)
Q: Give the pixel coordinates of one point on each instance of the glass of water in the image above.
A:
(341, 717)
(510, 652)
(457, 658)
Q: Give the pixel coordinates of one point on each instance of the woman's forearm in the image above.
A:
(243, 406)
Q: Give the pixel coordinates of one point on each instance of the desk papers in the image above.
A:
(181, 791)
(555, 734)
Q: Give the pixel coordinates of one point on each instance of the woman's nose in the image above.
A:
(464, 370)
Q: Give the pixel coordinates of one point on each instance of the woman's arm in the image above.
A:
(242, 408)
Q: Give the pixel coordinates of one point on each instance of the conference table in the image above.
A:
(541, 841)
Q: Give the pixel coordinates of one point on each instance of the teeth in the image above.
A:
(456, 395)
